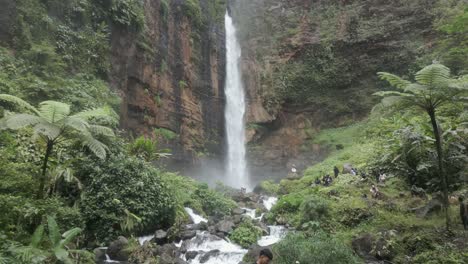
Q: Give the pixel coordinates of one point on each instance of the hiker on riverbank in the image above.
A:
(463, 212)
(336, 171)
(265, 256)
(374, 191)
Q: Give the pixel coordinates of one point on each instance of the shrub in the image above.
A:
(320, 248)
(269, 187)
(213, 203)
(246, 234)
(124, 184)
(314, 208)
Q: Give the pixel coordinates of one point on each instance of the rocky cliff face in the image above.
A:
(310, 65)
(173, 77)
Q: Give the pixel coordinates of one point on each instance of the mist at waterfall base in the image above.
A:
(232, 171)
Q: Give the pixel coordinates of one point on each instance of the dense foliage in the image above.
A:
(319, 248)
(123, 183)
(246, 234)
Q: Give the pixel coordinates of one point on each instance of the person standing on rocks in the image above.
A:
(265, 256)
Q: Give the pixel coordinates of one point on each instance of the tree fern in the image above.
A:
(18, 121)
(53, 111)
(434, 74)
(394, 80)
(97, 147)
(10, 100)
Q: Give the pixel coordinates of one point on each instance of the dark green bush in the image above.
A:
(123, 183)
(320, 248)
(314, 208)
(246, 234)
(213, 203)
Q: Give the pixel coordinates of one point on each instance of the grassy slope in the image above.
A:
(423, 236)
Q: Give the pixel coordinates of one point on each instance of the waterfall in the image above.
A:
(236, 170)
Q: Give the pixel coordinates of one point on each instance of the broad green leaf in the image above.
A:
(434, 74)
(54, 232)
(54, 111)
(37, 236)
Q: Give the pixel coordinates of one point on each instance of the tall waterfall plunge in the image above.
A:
(236, 169)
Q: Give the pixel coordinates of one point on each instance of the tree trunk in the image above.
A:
(440, 161)
(40, 192)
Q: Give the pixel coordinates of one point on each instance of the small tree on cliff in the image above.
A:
(52, 124)
(433, 88)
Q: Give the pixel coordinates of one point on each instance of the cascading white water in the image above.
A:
(236, 170)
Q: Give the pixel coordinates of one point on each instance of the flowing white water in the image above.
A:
(236, 171)
(269, 202)
(219, 250)
(195, 218)
(252, 213)
(276, 234)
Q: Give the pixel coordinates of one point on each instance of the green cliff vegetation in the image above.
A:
(71, 180)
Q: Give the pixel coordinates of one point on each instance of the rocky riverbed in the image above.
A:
(204, 240)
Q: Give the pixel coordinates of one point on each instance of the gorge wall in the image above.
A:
(172, 76)
(310, 65)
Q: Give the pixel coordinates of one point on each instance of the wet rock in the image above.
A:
(180, 261)
(237, 219)
(160, 237)
(238, 211)
(167, 253)
(188, 234)
(99, 255)
(116, 250)
(191, 255)
(225, 226)
(362, 245)
(208, 255)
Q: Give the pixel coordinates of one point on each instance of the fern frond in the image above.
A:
(18, 121)
(394, 80)
(103, 112)
(392, 93)
(49, 130)
(54, 232)
(54, 111)
(97, 147)
(434, 74)
(101, 130)
(415, 89)
(11, 100)
(76, 123)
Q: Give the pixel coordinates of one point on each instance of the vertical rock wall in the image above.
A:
(173, 78)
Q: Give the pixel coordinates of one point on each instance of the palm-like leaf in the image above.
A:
(95, 146)
(49, 130)
(76, 123)
(434, 74)
(18, 102)
(392, 93)
(394, 80)
(101, 130)
(54, 232)
(18, 121)
(103, 112)
(53, 111)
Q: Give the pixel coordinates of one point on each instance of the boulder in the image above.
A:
(418, 192)
(208, 255)
(225, 226)
(116, 249)
(99, 255)
(238, 211)
(347, 168)
(434, 205)
(160, 237)
(191, 255)
(362, 245)
(252, 253)
(188, 234)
